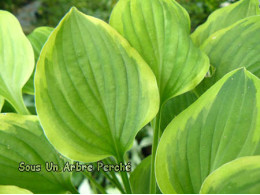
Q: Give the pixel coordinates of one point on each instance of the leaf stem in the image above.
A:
(124, 176)
(156, 138)
(97, 185)
(114, 180)
(18, 104)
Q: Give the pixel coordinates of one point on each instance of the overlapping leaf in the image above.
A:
(233, 47)
(23, 140)
(159, 30)
(16, 60)
(37, 38)
(240, 176)
(93, 91)
(225, 17)
(175, 106)
(222, 125)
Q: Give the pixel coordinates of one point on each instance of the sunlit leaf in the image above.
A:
(93, 91)
(23, 140)
(240, 176)
(16, 61)
(222, 125)
(159, 30)
(233, 47)
(5, 189)
(225, 17)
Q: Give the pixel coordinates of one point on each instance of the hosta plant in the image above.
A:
(96, 85)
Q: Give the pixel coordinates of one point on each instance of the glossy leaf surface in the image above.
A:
(222, 125)
(159, 30)
(93, 91)
(175, 106)
(225, 17)
(16, 60)
(4, 189)
(23, 140)
(240, 176)
(37, 38)
(232, 48)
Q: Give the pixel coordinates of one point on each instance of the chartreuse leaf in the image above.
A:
(2, 101)
(175, 106)
(240, 176)
(23, 140)
(4, 189)
(140, 177)
(222, 125)
(159, 30)
(93, 91)
(225, 17)
(16, 61)
(227, 52)
(37, 38)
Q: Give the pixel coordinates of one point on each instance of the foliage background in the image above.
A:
(33, 13)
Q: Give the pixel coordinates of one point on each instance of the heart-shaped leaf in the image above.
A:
(175, 106)
(4, 189)
(225, 17)
(232, 48)
(159, 30)
(93, 91)
(222, 125)
(16, 61)
(23, 140)
(240, 176)
(37, 38)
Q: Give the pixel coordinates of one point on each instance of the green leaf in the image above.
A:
(222, 125)
(160, 31)
(37, 38)
(227, 52)
(16, 61)
(93, 91)
(140, 177)
(2, 101)
(23, 140)
(175, 106)
(240, 176)
(13, 190)
(225, 17)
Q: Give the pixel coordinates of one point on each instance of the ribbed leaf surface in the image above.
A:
(93, 91)
(159, 30)
(225, 17)
(222, 125)
(37, 38)
(23, 140)
(16, 60)
(240, 176)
